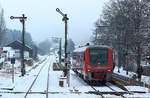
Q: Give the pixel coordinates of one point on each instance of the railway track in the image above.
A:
(48, 80)
(97, 92)
(117, 92)
(40, 62)
(34, 81)
(112, 90)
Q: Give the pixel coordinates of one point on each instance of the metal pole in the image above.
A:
(127, 60)
(139, 69)
(60, 51)
(23, 45)
(66, 44)
(65, 19)
(12, 73)
(22, 20)
(126, 54)
(66, 55)
(96, 39)
(66, 52)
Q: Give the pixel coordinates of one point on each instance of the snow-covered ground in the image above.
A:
(78, 88)
(145, 79)
(6, 73)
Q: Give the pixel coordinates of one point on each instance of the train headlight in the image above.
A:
(89, 70)
(109, 70)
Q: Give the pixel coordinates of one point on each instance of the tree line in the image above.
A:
(125, 25)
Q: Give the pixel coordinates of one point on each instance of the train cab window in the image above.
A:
(98, 56)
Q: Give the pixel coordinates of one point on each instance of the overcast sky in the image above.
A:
(44, 22)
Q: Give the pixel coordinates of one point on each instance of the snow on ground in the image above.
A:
(137, 88)
(114, 87)
(77, 83)
(23, 84)
(123, 72)
(145, 79)
(5, 81)
(6, 74)
(77, 87)
(138, 95)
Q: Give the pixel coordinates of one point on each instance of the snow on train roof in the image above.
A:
(83, 48)
(80, 49)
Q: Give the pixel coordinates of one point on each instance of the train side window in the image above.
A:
(74, 57)
(84, 57)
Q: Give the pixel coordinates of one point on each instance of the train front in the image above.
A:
(98, 64)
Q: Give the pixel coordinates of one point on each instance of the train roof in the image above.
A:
(81, 49)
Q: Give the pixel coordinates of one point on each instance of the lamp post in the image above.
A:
(22, 20)
(65, 19)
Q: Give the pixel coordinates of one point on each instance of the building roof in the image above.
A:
(18, 44)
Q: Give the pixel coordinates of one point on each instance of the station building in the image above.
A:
(17, 46)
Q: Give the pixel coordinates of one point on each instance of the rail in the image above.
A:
(47, 81)
(34, 80)
(40, 62)
(97, 92)
(116, 92)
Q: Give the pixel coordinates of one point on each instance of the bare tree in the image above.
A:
(127, 28)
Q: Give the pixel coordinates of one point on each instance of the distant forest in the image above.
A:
(13, 35)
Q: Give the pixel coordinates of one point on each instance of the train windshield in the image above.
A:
(98, 56)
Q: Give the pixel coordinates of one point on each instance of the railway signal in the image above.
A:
(22, 20)
(65, 20)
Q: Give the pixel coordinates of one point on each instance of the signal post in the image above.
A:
(65, 19)
(22, 20)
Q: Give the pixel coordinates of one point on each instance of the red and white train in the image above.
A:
(93, 63)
